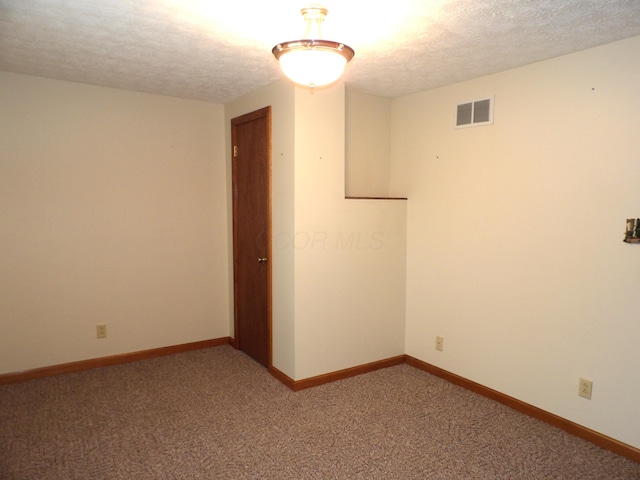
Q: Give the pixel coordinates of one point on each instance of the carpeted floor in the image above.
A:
(217, 414)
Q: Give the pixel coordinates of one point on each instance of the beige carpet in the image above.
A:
(217, 414)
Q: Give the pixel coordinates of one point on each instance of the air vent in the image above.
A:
(474, 114)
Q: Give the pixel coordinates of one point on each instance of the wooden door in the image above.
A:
(251, 172)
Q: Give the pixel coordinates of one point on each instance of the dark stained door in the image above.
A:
(251, 140)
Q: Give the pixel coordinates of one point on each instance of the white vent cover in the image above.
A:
(475, 113)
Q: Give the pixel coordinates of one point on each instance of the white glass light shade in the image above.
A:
(314, 63)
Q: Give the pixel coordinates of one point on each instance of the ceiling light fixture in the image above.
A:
(312, 61)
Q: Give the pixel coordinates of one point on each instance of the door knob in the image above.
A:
(262, 259)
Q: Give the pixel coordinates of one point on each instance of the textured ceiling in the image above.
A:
(206, 50)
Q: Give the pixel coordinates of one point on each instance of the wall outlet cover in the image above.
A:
(101, 331)
(584, 388)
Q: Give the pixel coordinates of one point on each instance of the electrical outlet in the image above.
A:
(439, 343)
(101, 331)
(584, 389)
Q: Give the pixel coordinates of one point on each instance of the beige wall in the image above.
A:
(349, 254)
(113, 210)
(368, 130)
(515, 251)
